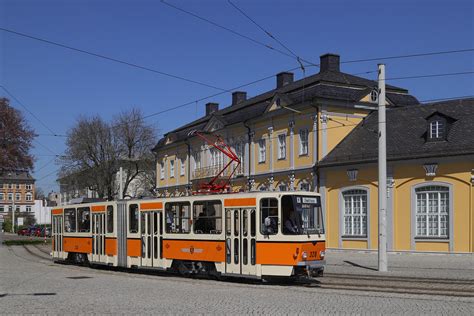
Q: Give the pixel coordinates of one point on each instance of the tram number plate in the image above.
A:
(312, 255)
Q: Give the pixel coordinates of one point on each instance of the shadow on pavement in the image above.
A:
(359, 266)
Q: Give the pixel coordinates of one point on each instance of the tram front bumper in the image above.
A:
(313, 268)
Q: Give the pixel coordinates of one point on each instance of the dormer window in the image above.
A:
(437, 129)
(439, 126)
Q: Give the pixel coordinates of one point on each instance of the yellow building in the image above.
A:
(17, 192)
(430, 159)
(279, 135)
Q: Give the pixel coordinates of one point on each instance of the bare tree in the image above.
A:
(16, 138)
(91, 154)
(39, 194)
(135, 139)
(96, 150)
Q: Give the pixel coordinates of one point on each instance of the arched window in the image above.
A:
(355, 212)
(432, 211)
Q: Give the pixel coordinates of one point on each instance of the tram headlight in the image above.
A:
(322, 254)
(304, 255)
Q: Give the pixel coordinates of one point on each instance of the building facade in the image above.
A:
(430, 159)
(17, 192)
(279, 135)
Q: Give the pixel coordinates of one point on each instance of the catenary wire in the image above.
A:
(234, 32)
(109, 58)
(31, 113)
(424, 54)
(262, 29)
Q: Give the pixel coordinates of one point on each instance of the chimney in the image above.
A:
(211, 108)
(329, 62)
(284, 78)
(238, 97)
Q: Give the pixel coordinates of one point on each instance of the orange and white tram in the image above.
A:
(255, 234)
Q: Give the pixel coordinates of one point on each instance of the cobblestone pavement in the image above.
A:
(420, 265)
(29, 284)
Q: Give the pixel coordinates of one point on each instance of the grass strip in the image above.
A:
(25, 242)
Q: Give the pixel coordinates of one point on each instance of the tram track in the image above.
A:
(355, 283)
(398, 278)
(386, 287)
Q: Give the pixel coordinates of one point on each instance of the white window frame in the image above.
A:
(29, 197)
(29, 186)
(281, 146)
(262, 150)
(162, 171)
(2, 196)
(18, 186)
(357, 215)
(17, 197)
(172, 168)
(304, 142)
(436, 129)
(183, 167)
(28, 208)
(432, 211)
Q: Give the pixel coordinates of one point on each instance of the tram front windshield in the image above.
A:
(302, 215)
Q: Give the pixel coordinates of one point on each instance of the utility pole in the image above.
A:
(121, 183)
(382, 162)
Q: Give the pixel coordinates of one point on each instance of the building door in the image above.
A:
(98, 237)
(151, 229)
(241, 241)
(57, 236)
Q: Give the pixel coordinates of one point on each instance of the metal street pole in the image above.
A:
(382, 163)
(121, 184)
(13, 214)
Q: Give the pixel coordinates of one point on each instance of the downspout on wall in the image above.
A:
(188, 166)
(249, 135)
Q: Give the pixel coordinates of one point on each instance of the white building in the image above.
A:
(42, 212)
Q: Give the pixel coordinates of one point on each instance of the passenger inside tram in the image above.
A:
(293, 223)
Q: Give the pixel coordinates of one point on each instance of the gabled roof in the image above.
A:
(15, 175)
(325, 85)
(406, 130)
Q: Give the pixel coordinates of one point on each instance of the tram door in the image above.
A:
(98, 237)
(57, 236)
(241, 241)
(151, 229)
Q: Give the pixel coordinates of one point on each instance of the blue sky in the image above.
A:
(59, 85)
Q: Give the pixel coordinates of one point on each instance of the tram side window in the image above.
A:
(269, 216)
(110, 219)
(70, 220)
(178, 217)
(207, 217)
(133, 219)
(84, 219)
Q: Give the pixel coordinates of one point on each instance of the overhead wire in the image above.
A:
(263, 29)
(27, 110)
(149, 69)
(268, 46)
